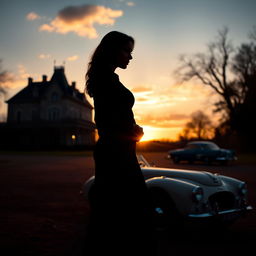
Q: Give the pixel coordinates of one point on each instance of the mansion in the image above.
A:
(48, 114)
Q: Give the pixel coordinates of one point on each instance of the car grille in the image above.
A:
(222, 201)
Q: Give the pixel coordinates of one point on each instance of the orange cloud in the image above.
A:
(141, 89)
(81, 20)
(73, 58)
(33, 16)
(130, 4)
(164, 121)
(18, 79)
(43, 56)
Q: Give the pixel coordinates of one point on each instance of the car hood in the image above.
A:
(205, 178)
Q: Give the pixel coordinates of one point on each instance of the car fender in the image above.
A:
(231, 184)
(87, 187)
(179, 191)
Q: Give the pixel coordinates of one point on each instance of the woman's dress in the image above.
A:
(121, 207)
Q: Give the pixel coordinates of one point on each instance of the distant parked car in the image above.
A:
(204, 151)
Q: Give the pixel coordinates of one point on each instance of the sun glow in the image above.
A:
(159, 133)
(150, 133)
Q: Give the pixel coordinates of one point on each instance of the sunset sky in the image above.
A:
(35, 33)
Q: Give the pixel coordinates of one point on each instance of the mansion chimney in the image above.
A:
(30, 80)
(44, 78)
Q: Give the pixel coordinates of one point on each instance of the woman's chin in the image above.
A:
(123, 66)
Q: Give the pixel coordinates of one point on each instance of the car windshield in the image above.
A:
(192, 146)
(211, 146)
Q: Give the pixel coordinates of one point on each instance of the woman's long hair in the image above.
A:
(104, 56)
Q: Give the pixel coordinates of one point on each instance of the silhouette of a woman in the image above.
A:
(121, 212)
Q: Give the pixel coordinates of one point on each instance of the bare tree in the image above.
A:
(199, 127)
(244, 66)
(211, 69)
(252, 34)
(5, 77)
(231, 73)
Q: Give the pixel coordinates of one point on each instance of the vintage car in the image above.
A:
(181, 195)
(204, 151)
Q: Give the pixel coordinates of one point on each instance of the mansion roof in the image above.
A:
(35, 91)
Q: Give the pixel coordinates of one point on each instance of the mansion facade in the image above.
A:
(48, 114)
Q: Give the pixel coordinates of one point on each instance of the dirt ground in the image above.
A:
(44, 214)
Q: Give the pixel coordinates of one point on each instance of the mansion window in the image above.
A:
(54, 96)
(53, 114)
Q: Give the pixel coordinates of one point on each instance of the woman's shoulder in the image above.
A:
(105, 78)
(106, 83)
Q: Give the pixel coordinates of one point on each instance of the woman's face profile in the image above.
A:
(124, 55)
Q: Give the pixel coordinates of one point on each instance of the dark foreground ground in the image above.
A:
(43, 214)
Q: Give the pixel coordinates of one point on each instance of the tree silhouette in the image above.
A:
(199, 127)
(5, 77)
(231, 74)
(211, 69)
(244, 66)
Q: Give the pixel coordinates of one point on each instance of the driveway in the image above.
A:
(43, 213)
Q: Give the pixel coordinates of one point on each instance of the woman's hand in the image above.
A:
(138, 132)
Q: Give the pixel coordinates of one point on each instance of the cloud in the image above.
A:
(73, 58)
(149, 99)
(141, 89)
(143, 95)
(22, 72)
(81, 20)
(164, 120)
(6, 78)
(18, 78)
(43, 56)
(130, 4)
(32, 16)
(167, 106)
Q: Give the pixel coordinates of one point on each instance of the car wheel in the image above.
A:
(166, 216)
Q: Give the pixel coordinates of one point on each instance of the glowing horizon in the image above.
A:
(43, 33)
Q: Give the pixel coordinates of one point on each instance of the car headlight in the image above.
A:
(243, 189)
(197, 194)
